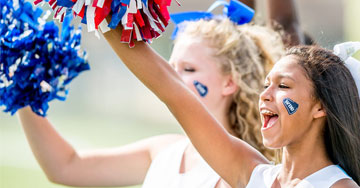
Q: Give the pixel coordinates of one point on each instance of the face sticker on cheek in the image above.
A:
(290, 106)
(201, 88)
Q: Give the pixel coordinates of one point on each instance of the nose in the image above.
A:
(266, 95)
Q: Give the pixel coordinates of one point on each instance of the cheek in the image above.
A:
(294, 112)
(201, 88)
(188, 80)
(290, 105)
(290, 110)
(197, 84)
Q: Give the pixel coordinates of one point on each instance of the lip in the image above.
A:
(269, 117)
(266, 108)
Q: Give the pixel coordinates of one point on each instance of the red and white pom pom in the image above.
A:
(141, 20)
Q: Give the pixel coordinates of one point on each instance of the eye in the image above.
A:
(283, 86)
(266, 85)
(188, 69)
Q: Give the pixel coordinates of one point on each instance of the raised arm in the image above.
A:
(126, 165)
(232, 158)
(249, 3)
(283, 13)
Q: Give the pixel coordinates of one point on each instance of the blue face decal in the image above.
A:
(202, 89)
(290, 106)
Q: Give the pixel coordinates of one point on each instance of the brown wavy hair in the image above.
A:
(247, 52)
(335, 88)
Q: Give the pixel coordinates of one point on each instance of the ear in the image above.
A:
(230, 87)
(319, 110)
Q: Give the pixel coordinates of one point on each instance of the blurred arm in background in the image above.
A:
(63, 164)
(282, 15)
(249, 3)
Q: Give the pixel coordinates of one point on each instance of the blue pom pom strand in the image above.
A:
(36, 63)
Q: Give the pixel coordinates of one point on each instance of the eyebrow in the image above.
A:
(281, 76)
(286, 76)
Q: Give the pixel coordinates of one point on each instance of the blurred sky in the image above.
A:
(107, 106)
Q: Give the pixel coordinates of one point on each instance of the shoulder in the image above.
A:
(159, 143)
(345, 183)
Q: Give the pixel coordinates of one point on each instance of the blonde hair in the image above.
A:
(247, 52)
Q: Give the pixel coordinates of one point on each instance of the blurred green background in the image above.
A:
(109, 107)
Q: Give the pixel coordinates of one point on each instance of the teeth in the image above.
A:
(267, 112)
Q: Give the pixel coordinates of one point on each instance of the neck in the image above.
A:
(303, 158)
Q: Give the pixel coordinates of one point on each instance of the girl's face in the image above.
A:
(194, 60)
(287, 105)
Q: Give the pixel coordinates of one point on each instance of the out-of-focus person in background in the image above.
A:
(224, 64)
(282, 16)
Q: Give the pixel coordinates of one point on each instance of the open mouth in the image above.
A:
(269, 118)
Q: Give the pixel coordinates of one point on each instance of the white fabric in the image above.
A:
(165, 168)
(345, 51)
(78, 6)
(100, 3)
(90, 18)
(264, 175)
(104, 26)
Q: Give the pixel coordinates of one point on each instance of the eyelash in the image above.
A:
(280, 86)
(283, 86)
(189, 69)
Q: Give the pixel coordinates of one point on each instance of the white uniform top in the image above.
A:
(264, 175)
(164, 171)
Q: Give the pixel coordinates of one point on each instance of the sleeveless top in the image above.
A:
(264, 175)
(164, 171)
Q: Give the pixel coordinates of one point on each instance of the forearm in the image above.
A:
(207, 135)
(249, 3)
(283, 13)
(126, 165)
(50, 149)
(161, 79)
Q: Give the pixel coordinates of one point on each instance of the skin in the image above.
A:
(127, 165)
(282, 83)
(203, 67)
(301, 156)
(249, 3)
(300, 142)
(71, 167)
(62, 164)
(283, 13)
(161, 78)
(193, 60)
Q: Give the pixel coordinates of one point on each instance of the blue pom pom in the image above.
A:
(36, 63)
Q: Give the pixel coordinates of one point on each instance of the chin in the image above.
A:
(271, 143)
